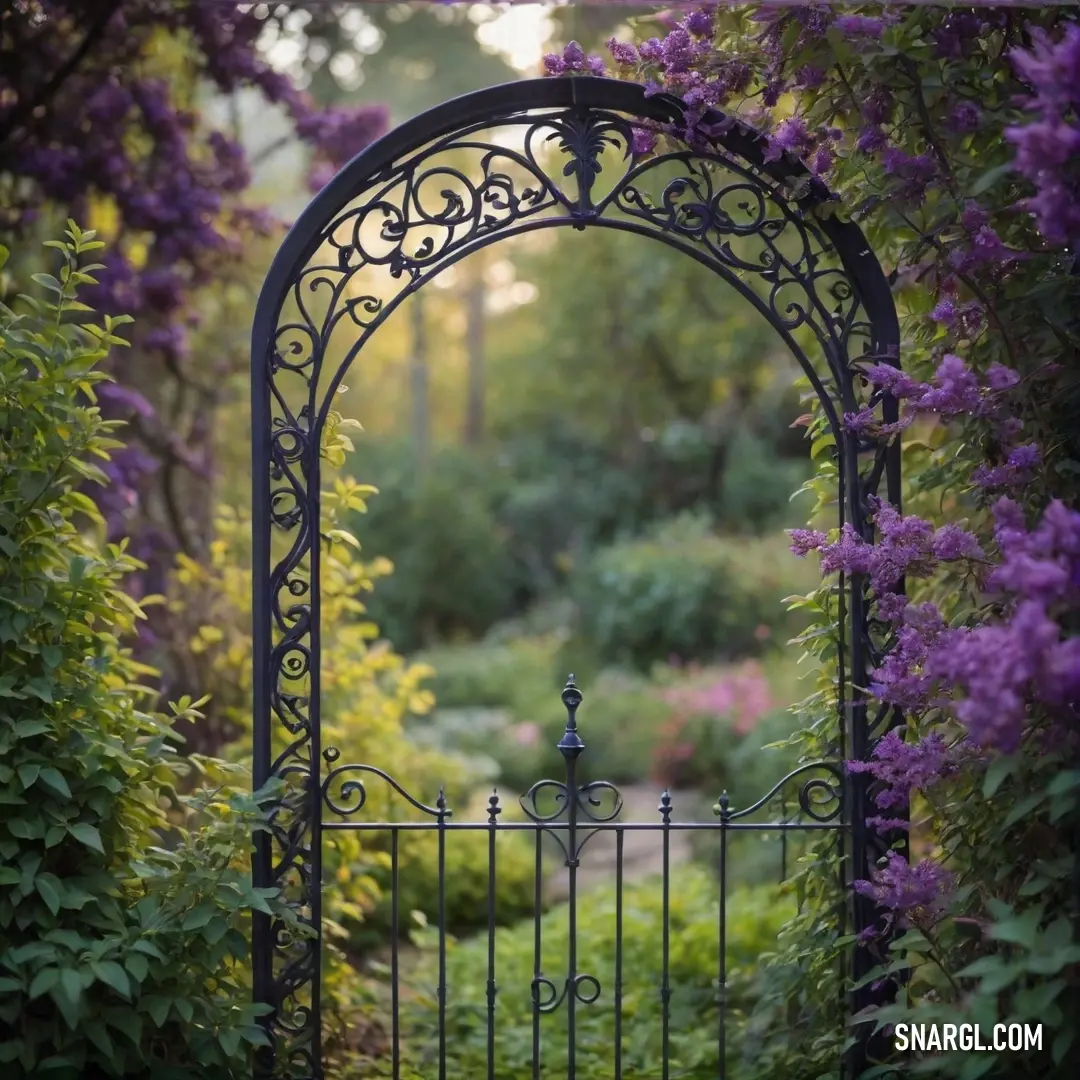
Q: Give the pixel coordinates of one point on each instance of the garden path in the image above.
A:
(642, 850)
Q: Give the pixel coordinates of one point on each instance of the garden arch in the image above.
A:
(500, 162)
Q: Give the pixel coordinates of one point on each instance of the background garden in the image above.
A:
(585, 456)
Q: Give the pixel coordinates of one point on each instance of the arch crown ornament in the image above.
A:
(502, 162)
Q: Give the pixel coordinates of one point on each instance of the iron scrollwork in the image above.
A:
(528, 156)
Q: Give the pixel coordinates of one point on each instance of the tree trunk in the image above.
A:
(474, 344)
(418, 378)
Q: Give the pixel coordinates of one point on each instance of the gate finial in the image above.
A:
(570, 745)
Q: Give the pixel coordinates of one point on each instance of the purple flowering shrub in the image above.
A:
(951, 137)
(97, 119)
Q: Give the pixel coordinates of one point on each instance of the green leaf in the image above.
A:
(44, 981)
(24, 729)
(88, 835)
(976, 1065)
(97, 1034)
(989, 178)
(55, 779)
(48, 892)
(127, 1022)
(28, 774)
(996, 772)
(198, 916)
(229, 1040)
(8, 876)
(137, 965)
(112, 974)
(145, 946)
(71, 983)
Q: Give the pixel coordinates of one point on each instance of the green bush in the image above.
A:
(518, 674)
(754, 920)
(453, 576)
(687, 593)
(755, 491)
(123, 905)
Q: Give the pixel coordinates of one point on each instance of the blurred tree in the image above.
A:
(99, 121)
(411, 56)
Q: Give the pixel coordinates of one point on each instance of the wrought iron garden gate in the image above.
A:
(498, 163)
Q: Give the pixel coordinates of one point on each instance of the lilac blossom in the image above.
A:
(791, 137)
(860, 25)
(902, 767)
(964, 119)
(1047, 147)
(911, 895)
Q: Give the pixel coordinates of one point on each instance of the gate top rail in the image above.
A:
(565, 805)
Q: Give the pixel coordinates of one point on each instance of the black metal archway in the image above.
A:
(501, 162)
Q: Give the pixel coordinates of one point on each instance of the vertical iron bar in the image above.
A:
(842, 958)
(721, 982)
(262, 944)
(665, 988)
(441, 807)
(395, 1015)
(537, 942)
(315, 882)
(571, 960)
(783, 841)
(493, 817)
(619, 834)
(571, 746)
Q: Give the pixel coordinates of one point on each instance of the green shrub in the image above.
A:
(688, 593)
(515, 674)
(755, 491)
(123, 905)
(754, 920)
(453, 576)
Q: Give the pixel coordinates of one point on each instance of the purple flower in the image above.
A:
(878, 106)
(914, 171)
(573, 56)
(803, 541)
(994, 665)
(809, 77)
(822, 161)
(791, 137)
(999, 377)
(621, 52)
(954, 390)
(699, 23)
(1043, 564)
(952, 542)
(643, 141)
(117, 401)
(964, 119)
(553, 64)
(651, 51)
(952, 35)
(902, 767)
(677, 51)
(871, 140)
(912, 895)
(1047, 147)
(860, 25)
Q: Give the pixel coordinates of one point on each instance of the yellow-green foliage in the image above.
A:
(368, 691)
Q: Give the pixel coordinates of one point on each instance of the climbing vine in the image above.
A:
(950, 136)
